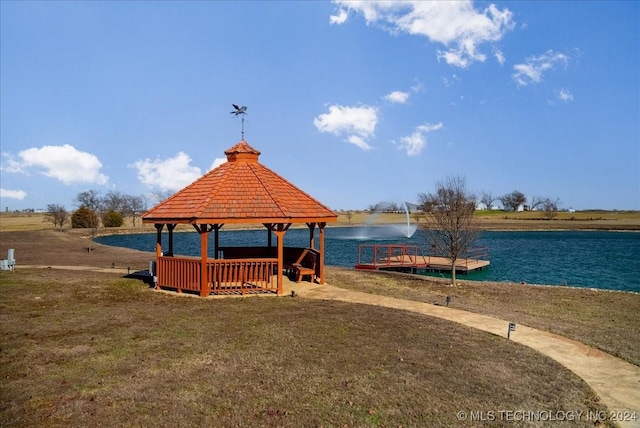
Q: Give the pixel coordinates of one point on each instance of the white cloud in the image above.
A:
(414, 143)
(499, 56)
(217, 162)
(456, 25)
(565, 95)
(532, 70)
(357, 123)
(359, 142)
(339, 18)
(397, 97)
(64, 163)
(13, 194)
(169, 174)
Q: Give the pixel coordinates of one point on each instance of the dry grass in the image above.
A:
(87, 349)
(608, 320)
(490, 220)
(99, 350)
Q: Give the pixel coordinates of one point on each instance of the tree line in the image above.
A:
(94, 210)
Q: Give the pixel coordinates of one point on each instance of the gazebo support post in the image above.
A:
(205, 287)
(312, 228)
(170, 228)
(269, 227)
(280, 230)
(159, 228)
(321, 227)
(216, 237)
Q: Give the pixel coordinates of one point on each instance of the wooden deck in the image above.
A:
(408, 258)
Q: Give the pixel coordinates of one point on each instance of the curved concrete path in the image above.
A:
(617, 382)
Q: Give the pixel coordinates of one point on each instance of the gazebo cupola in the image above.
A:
(243, 191)
(242, 152)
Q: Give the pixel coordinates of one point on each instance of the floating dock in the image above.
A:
(410, 258)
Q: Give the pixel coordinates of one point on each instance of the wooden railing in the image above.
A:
(390, 255)
(224, 276)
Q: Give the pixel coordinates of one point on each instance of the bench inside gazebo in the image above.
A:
(240, 191)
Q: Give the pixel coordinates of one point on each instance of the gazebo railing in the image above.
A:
(224, 276)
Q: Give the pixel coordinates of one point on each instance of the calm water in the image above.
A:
(609, 260)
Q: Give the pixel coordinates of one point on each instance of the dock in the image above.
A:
(410, 258)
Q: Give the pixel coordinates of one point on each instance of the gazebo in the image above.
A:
(240, 191)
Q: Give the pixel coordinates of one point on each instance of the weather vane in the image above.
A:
(240, 111)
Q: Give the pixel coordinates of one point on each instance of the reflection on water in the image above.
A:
(609, 260)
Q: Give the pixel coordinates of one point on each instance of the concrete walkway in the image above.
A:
(617, 382)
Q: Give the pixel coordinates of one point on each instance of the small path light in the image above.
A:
(512, 327)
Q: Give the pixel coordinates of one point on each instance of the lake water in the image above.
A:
(608, 260)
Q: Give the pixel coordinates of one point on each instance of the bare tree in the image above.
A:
(349, 215)
(511, 201)
(451, 226)
(57, 214)
(536, 201)
(487, 199)
(160, 196)
(134, 207)
(550, 208)
(114, 201)
(89, 199)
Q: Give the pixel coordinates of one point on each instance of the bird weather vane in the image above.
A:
(240, 111)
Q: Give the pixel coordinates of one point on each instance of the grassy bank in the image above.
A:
(98, 350)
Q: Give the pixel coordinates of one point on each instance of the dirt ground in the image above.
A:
(53, 248)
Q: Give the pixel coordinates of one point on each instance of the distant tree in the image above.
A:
(57, 214)
(536, 201)
(135, 206)
(511, 201)
(450, 225)
(114, 201)
(90, 199)
(112, 218)
(426, 202)
(550, 208)
(384, 206)
(86, 218)
(349, 215)
(160, 196)
(487, 199)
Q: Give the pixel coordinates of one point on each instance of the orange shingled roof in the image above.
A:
(240, 191)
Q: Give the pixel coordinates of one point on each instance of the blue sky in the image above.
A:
(355, 103)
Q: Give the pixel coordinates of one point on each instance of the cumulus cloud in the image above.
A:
(64, 163)
(398, 97)
(356, 123)
(564, 95)
(534, 67)
(339, 18)
(217, 162)
(458, 26)
(13, 194)
(169, 174)
(414, 143)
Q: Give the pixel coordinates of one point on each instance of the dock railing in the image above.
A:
(387, 255)
(404, 257)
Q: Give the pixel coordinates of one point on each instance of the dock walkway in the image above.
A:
(409, 258)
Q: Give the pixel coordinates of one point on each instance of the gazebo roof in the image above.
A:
(240, 191)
